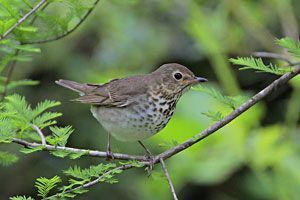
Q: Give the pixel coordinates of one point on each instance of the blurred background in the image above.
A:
(255, 157)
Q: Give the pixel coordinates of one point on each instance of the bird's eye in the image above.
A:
(178, 76)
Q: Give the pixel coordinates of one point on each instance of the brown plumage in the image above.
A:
(136, 107)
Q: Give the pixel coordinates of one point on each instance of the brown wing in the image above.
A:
(118, 92)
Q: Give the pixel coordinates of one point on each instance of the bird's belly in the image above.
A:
(130, 124)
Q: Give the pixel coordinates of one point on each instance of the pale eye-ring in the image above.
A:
(178, 76)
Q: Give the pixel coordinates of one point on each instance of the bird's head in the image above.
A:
(175, 78)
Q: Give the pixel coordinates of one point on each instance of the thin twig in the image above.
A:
(69, 31)
(20, 21)
(168, 178)
(39, 131)
(93, 182)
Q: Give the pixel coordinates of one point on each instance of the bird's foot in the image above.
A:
(109, 155)
(150, 165)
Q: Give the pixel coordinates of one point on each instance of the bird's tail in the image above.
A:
(82, 88)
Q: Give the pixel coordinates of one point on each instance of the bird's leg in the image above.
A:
(109, 154)
(148, 153)
(149, 156)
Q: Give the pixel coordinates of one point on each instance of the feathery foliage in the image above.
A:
(214, 116)
(292, 46)
(7, 158)
(45, 185)
(258, 65)
(232, 102)
(21, 198)
(27, 116)
(60, 135)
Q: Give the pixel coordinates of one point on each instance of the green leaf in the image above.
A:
(7, 129)
(169, 144)
(292, 46)
(25, 82)
(31, 149)
(28, 48)
(41, 107)
(30, 29)
(45, 119)
(60, 135)
(18, 104)
(92, 171)
(75, 155)
(7, 158)
(21, 198)
(232, 102)
(27, 116)
(215, 116)
(258, 65)
(60, 153)
(21, 58)
(45, 185)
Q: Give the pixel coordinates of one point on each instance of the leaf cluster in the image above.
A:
(17, 119)
(77, 178)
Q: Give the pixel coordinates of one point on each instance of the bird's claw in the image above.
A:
(150, 164)
(109, 155)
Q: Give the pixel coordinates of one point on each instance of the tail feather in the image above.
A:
(82, 88)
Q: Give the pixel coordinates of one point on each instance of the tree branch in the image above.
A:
(168, 178)
(20, 21)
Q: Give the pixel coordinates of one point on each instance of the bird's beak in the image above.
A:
(198, 80)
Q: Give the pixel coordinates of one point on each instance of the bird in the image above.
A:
(132, 109)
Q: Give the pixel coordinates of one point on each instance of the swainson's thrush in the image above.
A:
(137, 107)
